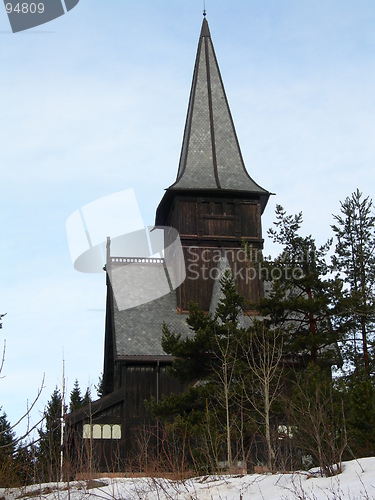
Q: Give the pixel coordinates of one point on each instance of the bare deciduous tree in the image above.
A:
(262, 349)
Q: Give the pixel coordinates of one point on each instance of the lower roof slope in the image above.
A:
(138, 330)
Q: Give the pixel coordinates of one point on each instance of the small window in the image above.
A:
(97, 431)
(106, 431)
(87, 431)
(116, 432)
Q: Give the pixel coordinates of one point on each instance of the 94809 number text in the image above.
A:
(25, 8)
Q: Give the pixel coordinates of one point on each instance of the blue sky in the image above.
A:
(94, 102)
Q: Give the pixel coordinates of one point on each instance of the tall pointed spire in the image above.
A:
(211, 158)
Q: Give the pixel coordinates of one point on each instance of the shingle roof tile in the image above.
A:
(210, 155)
(138, 330)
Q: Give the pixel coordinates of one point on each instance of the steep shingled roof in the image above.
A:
(138, 330)
(211, 158)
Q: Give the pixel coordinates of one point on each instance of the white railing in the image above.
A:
(137, 260)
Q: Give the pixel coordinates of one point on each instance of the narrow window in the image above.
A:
(106, 431)
(86, 431)
(97, 431)
(116, 432)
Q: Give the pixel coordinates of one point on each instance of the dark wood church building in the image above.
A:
(215, 206)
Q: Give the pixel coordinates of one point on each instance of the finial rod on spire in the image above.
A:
(204, 8)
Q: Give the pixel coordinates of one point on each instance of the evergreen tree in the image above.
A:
(87, 397)
(234, 376)
(7, 449)
(208, 360)
(75, 397)
(304, 300)
(48, 454)
(7, 435)
(354, 259)
(315, 412)
(25, 463)
(100, 387)
(361, 414)
(302, 297)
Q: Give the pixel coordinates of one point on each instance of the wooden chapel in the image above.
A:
(216, 207)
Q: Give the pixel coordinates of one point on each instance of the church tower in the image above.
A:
(216, 207)
(214, 203)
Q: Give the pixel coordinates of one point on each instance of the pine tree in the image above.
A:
(87, 397)
(7, 435)
(100, 386)
(75, 397)
(25, 463)
(302, 297)
(7, 449)
(207, 359)
(48, 454)
(354, 259)
(315, 411)
(361, 414)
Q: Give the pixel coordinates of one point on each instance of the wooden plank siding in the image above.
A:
(208, 225)
(201, 217)
(140, 381)
(202, 270)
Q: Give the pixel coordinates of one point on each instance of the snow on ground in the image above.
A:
(357, 481)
